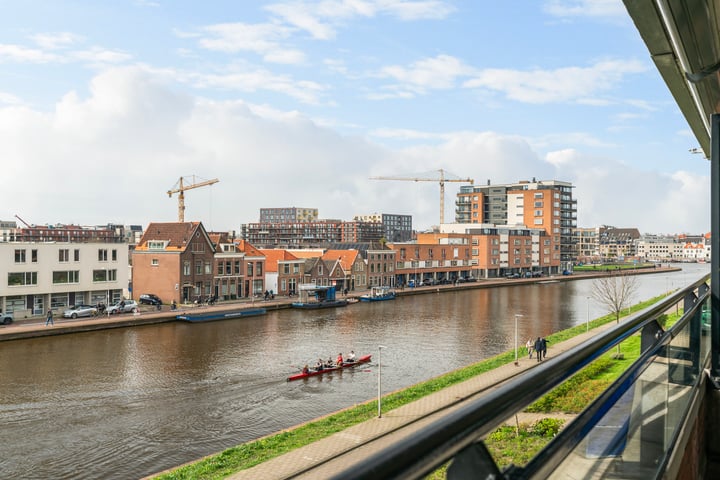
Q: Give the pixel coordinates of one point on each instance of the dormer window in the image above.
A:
(157, 244)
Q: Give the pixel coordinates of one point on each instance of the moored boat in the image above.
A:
(211, 316)
(314, 297)
(313, 373)
(378, 294)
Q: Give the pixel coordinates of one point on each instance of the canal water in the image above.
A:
(126, 403)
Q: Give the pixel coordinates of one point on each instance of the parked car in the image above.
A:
(123, 306)
(512, 275)
(150, 299)
(80, 311)
(444, 281)
(6, 318)
(428, 281)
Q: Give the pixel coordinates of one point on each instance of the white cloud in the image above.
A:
(98, 55)
(53, 41)
(245, 78)
(20, 54)
(585, 8)
(265, 39)
(570, 84)
(321, 19)
(133, 137)
(9, 99)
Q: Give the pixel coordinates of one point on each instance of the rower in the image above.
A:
(339, 360)
(351, 357)
(319, 365)
(305, 370)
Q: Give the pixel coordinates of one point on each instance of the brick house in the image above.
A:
(254, 268)
(174, 261)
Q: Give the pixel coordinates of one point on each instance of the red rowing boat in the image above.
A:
(312, 373)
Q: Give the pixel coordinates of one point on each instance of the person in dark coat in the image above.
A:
(544, 347)
(538, 348)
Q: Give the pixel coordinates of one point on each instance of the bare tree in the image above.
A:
(615, 293)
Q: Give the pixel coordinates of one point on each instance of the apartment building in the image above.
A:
(288, 215)
(617, 244)
(54, 274)
(395, 228)
(546, 204)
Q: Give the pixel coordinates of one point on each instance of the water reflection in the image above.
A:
(129, 402)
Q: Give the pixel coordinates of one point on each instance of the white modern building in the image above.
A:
(38, 275)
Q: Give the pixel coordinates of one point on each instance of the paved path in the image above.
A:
(330, 456)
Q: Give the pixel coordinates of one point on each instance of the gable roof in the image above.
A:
(273, 256)
(248, 248)
(346, 257)
(176, 234)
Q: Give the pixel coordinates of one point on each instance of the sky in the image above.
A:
(104, 106)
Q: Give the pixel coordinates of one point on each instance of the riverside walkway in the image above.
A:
(330, 456)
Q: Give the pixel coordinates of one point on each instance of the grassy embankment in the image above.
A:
(252, 453)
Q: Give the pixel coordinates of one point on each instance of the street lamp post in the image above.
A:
(516, 339)
(380, 347)
(587, 319)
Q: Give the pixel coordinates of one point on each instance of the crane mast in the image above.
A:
(441, 179)
(180, 188)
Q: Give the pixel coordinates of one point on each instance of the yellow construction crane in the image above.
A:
(180, 188)
(442, 178)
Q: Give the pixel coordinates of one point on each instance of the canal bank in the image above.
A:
(330, 456)
(35, 326)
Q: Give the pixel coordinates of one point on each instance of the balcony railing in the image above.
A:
(632, 430)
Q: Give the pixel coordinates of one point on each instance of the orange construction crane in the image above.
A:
(442, 178)
(180, 188)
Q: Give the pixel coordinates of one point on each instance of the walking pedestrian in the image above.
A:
(529, 346)
(49, 319)
(538, 348)
(544, 347)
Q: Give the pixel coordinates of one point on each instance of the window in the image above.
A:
(286, 270)
(112, 275)
(208, 268)
(198, 267)
(250, 267)
(154, 262)
(237, 267)
(76, 255)
(19, 256)
(102, 255)
(71, 276)
(33, 255)
(228, 267)
(259, 268)
(16, 279)
(63, 255)
(156, 245)
(114, 255)
(320, 269)
(100, 276)
(221, 268)
(186, 268)
(296, 268)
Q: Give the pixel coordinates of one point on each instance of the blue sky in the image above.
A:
(104, 105)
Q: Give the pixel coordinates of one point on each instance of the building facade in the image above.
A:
(41, 275)
(174, 261)
(546, 204)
